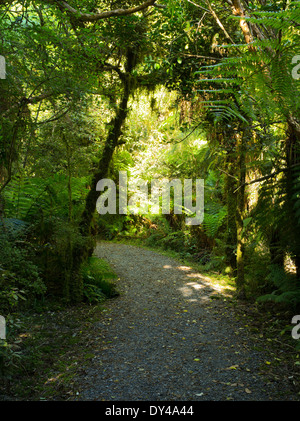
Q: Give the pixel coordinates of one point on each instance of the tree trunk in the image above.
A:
(231, 234)
(110, 145)
(292, 159)
(115, 131)
(239, 11)
(240, 214)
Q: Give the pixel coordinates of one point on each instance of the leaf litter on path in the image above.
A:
(177, 342)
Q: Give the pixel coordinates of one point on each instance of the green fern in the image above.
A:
(265, 71)
(287, 291)
(26, 197)
(214, 217)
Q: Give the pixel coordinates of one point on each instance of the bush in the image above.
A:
(20, 278)
(287, 288)
(98, 280)
(55, 241)
(174, 241)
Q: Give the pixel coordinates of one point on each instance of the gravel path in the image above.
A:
(165, 339)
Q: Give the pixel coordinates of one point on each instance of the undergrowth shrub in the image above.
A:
(154, 239)
(257, 270)
(214, 259)
(20, 278)
(21, 286)
(174, 241)
(286, 288)
(109, 226)
(98, 280)
(55, 240)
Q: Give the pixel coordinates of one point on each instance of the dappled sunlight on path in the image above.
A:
(170, 335)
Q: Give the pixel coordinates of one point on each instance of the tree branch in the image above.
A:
(87, 17)
(197, 5)
(31, 100)
(219, 22)
(108, 66)
(266, 177)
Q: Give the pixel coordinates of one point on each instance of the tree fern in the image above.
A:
(265, 71)
(254, 89)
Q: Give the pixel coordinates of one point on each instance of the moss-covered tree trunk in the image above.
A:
(231, 203)
(114, 133)
(292, 189)
(110, 145)
(240, 214)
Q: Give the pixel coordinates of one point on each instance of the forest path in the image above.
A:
(165, 339)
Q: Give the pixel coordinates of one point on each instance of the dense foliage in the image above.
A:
(169, 89)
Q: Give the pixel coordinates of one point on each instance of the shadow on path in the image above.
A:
(166, 339)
